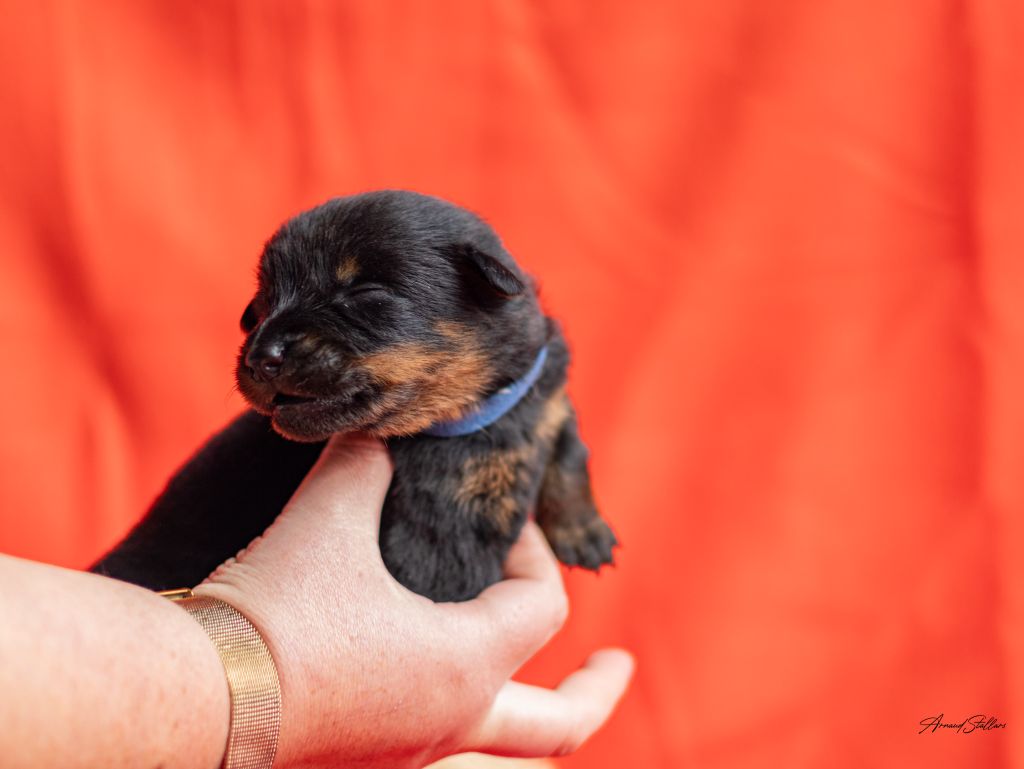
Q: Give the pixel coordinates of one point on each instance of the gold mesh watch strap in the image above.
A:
(252, 680)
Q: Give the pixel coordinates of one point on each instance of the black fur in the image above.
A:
(387, 312)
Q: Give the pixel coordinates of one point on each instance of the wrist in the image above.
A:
(292, 698)
(199, 668)
(308, 671)
(251, 675)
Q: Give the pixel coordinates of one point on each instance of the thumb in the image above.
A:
(345, 488)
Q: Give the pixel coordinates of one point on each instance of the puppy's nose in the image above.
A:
(266, 360)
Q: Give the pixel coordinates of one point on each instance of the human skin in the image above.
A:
(96, 672)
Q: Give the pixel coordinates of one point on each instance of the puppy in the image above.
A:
(403, 316)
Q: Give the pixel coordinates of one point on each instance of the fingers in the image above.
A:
(514, 618)
(529, 721)
(348, 482)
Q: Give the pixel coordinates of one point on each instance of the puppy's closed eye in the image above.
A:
(367, 289)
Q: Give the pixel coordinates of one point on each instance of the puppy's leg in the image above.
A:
(222, 499)
(565, 507)
(454, 509)
(437, 554)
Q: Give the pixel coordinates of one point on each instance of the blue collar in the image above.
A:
(491, 409)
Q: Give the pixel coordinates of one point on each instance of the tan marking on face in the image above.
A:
(424, 385)
(403, 363)
(347, 269)
(305, 345)
(457, 333)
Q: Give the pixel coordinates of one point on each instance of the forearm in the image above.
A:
(101, 673)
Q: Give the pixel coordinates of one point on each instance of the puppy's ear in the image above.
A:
(492, 275)
(249, 319)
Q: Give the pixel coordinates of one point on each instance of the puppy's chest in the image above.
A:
(491, 477)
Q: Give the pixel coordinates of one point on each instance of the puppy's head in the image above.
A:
(384, 312)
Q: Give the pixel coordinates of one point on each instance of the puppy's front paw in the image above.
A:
(586, 543)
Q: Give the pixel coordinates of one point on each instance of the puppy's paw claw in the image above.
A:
(588, 544)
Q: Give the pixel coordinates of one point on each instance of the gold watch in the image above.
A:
(252, 679)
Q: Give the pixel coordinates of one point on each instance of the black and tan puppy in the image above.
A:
(403, 316)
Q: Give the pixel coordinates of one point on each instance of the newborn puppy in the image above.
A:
(403, 316)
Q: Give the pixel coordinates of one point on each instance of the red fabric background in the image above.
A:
(785, 239)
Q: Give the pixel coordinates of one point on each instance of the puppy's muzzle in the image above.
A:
(266, 359)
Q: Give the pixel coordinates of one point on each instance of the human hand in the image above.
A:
(374, 674)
